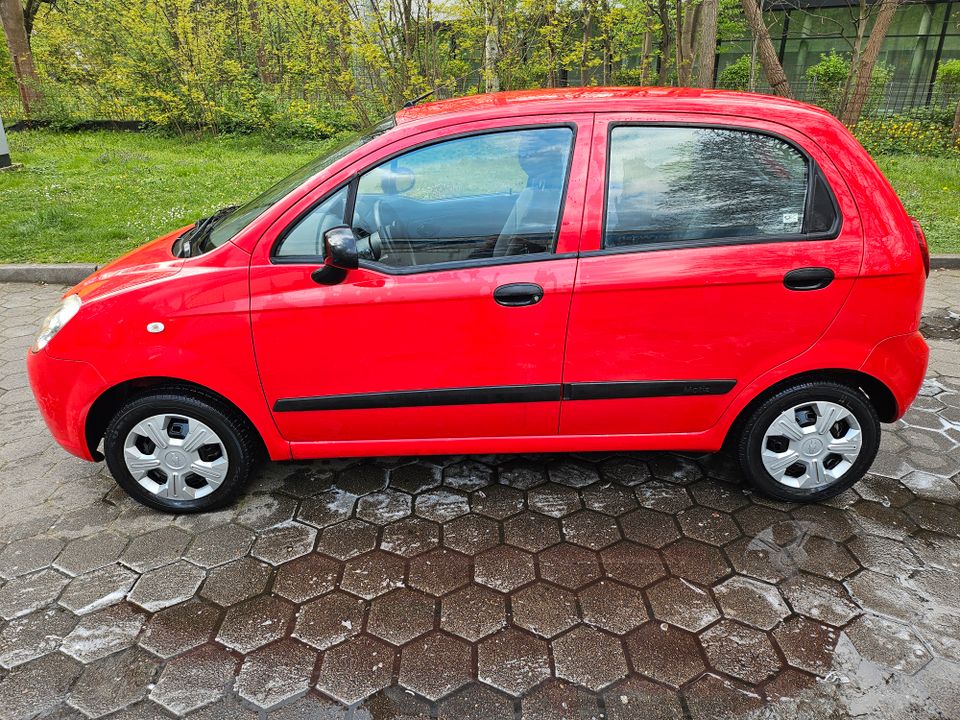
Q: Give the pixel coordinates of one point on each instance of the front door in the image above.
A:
(453, 327)
(713, 251)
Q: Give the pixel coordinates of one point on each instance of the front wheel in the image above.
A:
(180, 451)
(810, 441)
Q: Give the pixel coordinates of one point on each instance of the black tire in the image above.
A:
(750, 441)
(239, 439)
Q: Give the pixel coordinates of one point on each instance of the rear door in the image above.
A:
(713, 251)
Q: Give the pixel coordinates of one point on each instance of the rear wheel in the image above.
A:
(181, 451)
(810, 441)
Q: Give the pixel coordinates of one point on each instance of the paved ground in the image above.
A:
(541, 588)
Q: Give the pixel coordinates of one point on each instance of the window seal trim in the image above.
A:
(813, 170)
(354, 181)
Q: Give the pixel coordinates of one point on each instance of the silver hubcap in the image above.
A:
(175, 457)
(811, 445)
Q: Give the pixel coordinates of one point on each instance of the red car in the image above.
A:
(562, 270)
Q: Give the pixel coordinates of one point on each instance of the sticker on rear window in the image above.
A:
(791, 218)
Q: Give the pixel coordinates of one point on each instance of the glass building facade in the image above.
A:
(923, 35)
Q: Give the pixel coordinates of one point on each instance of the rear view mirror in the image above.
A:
(340, 255)
(397, 180)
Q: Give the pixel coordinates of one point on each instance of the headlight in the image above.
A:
(56, 320)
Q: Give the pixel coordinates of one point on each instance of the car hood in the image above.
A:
(148, 263)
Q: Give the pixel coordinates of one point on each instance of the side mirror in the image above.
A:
(340, 255)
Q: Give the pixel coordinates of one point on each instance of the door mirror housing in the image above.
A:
(340, 255)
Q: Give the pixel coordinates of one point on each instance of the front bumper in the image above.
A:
(900, 363)
(64, 391)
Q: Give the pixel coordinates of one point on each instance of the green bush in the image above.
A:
(903, 135)
(629, 77)
(948, 77)
(828, 83)
(736, 75)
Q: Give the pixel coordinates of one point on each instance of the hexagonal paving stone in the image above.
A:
(372, 574)
(513, 661)
(589, 658)
(544, 609)
(283, 543)
(714, 697)
(665, 653)
(574, 474)
(442, 505)
(180, 628)
(935, 516)
(649, 527)
(608, 498)
(639, 699)
(625, 471)
(476, 702)
(219, 545)
(612, 606)
(401, 615)
(415, 478)
(384, 507)
(709, 526)
(309, 707)
(27, 593)
(531, 531)
(98, 589)
(740, 651)
(193, 680)
(590, 529)
(468, 475)
(276, 673)
(38, 686)
(410, 536)
(890, 557)
(820, 599)
(559, 700)
(156, 548)
(328, 508)
(889, 643)
(26, 556)
(568, 565)
(86, 554)
(553, 500)
(471, 534)
(166, 586)
(347, 539)
(674, 468)
(497, 501)
(236, 581)
(356, 669)
(473, 612)
(806, 644)
(362, 479)
(435, 665)
(696, 561)
(329, 619)
(255, 623)
(395, 702)
(751, 601)
(522, 475)
(439, 571)
(260, 511)
(34, 635)
(828, 558)
(682, 604)
(826, 522)
(113, 682)
(719, 496)
(103, 633)
(663, 496)
(306, 578)
(632, 564)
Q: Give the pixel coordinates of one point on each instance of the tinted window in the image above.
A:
(306, 237)
(669, 184)
(476, 197)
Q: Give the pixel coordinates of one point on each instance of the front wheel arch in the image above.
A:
(111, 400)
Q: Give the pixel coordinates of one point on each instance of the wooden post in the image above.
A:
(5, 161)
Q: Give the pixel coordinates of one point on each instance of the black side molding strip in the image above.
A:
(506, 394)
(424, 398)
(645, 388)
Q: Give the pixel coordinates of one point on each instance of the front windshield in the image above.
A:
(237, 220)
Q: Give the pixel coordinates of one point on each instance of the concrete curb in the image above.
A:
(72, 274)
(44, 273)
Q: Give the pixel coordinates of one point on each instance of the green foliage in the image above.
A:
(831, 84)
(736, 75)
(903, 135)
(948, 77)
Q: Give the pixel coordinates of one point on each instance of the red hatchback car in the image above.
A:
(563, 270)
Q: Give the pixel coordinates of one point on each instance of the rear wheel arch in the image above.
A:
(112, 399)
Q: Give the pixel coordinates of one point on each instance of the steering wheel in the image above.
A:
(386, 220)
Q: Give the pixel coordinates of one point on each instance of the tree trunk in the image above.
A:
(861, 87)
(263, 63)
(707, 43)
(687, 30)
(666, 41)
(491, 46)
(769, 60)
(11, 15)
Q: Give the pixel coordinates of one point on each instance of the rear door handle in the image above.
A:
(518, 294)
(810, 278)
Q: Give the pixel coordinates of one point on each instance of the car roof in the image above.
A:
(606, 99)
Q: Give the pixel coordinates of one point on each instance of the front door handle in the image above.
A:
(809, 278)
(518, 294)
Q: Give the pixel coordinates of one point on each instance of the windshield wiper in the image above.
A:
(194, 237)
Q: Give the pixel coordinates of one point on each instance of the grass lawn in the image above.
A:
(88, 197)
